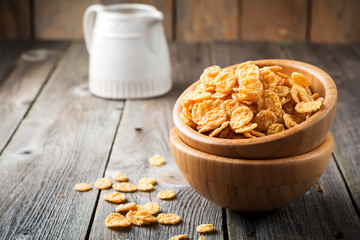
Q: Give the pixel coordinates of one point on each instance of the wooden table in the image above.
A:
(54, 134)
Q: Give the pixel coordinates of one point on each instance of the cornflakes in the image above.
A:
(151, 208)
(148, 180)
(126, 207)
(168, 218)
(177, 237)
(139, 218)
(103, 183)
(114, 197)
(204, 228)
(124, 187)
(166, 194)
(82, 187)
(116, 220)
(157, 160)
(307, 107)
(248, 102)
(201, 238)
(300, 79)
(275, 128)
(120, 177)
(264, 119)
(144, 186)
(226, 81)
(240, 117)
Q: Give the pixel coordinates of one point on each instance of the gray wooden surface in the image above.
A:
(54, 133)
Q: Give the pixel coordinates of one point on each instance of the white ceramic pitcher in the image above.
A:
(129, 56)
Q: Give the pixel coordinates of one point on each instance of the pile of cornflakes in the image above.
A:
(248, 102)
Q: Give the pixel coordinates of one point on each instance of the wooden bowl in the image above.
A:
(300, 139)
(248, 185)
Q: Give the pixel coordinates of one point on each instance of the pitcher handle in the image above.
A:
(89, 21)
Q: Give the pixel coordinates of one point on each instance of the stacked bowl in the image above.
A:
(264, 173)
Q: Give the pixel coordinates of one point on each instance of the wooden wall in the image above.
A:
(197, 20)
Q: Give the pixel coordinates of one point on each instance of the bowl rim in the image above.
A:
(329, 102)
(326, 146)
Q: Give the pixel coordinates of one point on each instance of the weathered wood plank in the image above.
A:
(19, 90)
(342, 63)
(65, 139)
(60, 19)
(310, 217)
(278, 20)
(166, 7)
(335, 21)
(201, 20)
(15, 19)
(133, 148)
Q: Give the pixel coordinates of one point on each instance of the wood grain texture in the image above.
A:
(312, 216)
(325, 212)
(60, 19)
(335, 21)
(165, 6)
(248, 185)
(201, 20)
(342, 63)
(15, 19)
(133, 148)
(277, 20)
(20, 88)
(65, 139)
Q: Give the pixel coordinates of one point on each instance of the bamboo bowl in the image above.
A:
(300, 139)
(248, 185)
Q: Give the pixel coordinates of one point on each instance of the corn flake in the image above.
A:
(148, 180)
(120, 177)
(103, 183)
(300, 79)
(126, 207)
(275, 128)
(264, 119)
(240, 117)
(125, 187)
(177, 237)
(226, 81)
(166, 194)
(168, 218)
(82, 187)
(204, 228)
(157, 160)
(308, 107)
(144, 186)
(151, 208)
(116, 220)
(114, 197)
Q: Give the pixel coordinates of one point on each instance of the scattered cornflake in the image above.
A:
(116, 220)
(126, 207)
(114, 197)
(148, 180)
(125, 187)
(157, 160)
(120, 177)
(103, 183)
(168, 218)
(177, 237)
(140, 218)
(166, 194)
(82, 187)
(202, 238)
(145, 186)
(204, 228)
(150, 207)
